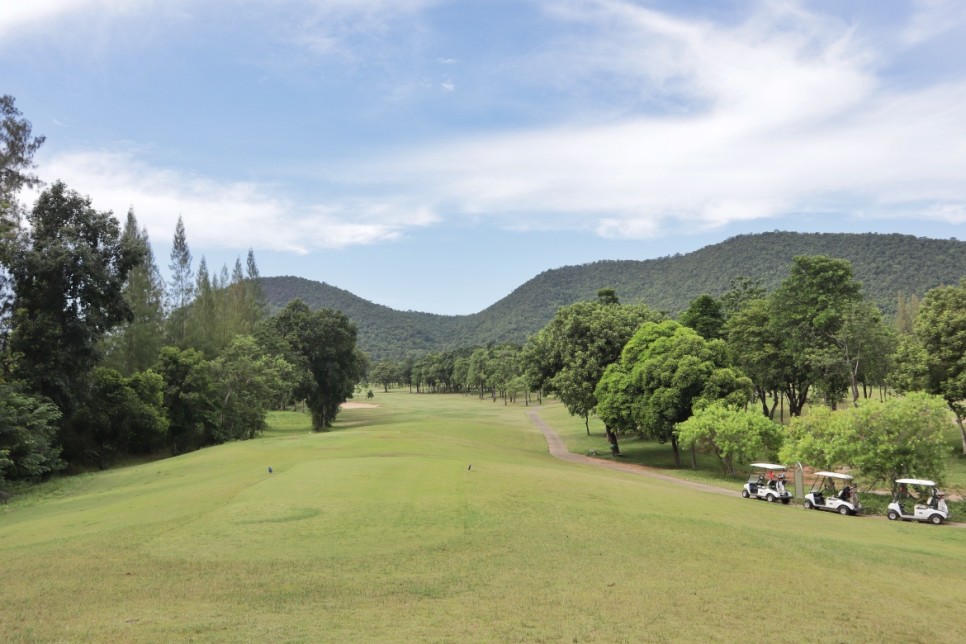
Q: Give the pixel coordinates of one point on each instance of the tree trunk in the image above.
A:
(677, 451)
(615, 449)
(587, 423)
(962, 431)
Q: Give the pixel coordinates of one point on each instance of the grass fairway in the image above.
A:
(378, 531)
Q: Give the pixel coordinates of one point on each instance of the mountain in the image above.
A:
(885, 264)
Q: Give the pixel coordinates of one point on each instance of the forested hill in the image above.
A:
(885, 264)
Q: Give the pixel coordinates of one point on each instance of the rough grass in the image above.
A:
(379, 531)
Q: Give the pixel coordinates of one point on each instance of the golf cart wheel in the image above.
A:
(893, 515)
(771, 498)
(936, 519)
(844, 510)
(745, 494)
(807, 504)
(786, 500)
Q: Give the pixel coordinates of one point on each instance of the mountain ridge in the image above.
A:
(885, 263)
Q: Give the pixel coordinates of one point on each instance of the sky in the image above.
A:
(434, 155)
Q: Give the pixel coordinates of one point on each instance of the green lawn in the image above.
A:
(381, 531)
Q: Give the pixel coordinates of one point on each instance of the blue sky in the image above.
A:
(434, 155)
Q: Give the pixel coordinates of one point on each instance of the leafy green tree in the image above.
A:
(819, 439)
(910, 366)
(705, 316)
(69, 274)
(665, 371)
(248, 381)
(734, 435)
(385, 373)
(941, 327)
(806, 312)
(28, 436)
(756, 347)
(742, 291)
(119, 416)
(900, 437)
(324, 342)
(569, 355)
(190, 398)
(863, 341)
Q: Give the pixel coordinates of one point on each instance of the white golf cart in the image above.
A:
(769, 484)
(825, 496)
(928, 505)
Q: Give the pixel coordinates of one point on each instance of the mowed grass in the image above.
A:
(381, 531)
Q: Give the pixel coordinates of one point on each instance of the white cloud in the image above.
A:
(932, 18)
(232, 215)
(788, 116)
(783, 111)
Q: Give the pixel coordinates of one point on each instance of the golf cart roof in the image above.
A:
(916, 482)
(769, 466)
(834, 475)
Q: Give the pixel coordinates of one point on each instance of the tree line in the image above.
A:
(101, 358)
(697, 381)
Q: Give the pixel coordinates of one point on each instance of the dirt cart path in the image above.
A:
(559, 450)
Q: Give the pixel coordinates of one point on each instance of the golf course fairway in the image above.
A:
(444, 518)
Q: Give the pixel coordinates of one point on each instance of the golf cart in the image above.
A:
(930, 506)
(769, 484)
(825, 496)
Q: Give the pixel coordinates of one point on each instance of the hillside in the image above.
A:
(885, 264)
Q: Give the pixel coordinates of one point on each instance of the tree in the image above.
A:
(732, 434)
(134, 346)
(180, 286)
(941, 327)
(17, 149)
(190, 398)
(69, 274)
(120, 416)
(28, 433)
(910, 366)
(202, 315)
(756, 347)
(901, 437)
(385, 373)
(805, 313)
(907, 309)
(323, 343)
(863, 341)
(705, 316)
(569, 355)
(255, 297)
(743, 290)
(248, 381)
(665, 371)
(819, 439)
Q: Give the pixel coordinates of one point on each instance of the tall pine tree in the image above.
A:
(180, 287)
(135, 345)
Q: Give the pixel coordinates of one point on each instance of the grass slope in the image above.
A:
(379, 532)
